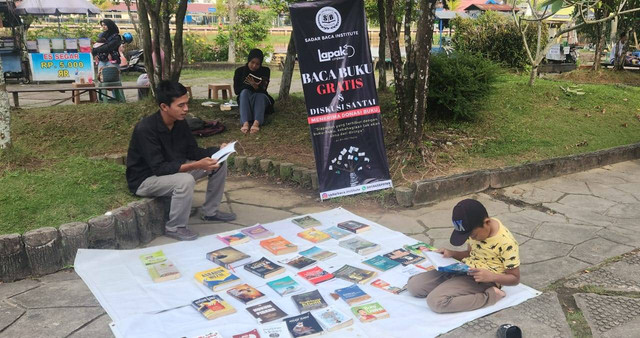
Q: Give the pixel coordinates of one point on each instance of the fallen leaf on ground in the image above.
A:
(587, 115)
(625, 99)
(625, 125)
(603, 111)
(582, 144)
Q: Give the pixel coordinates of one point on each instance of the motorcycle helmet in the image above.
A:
(127, 37)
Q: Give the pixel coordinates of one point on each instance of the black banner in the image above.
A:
(340, 93)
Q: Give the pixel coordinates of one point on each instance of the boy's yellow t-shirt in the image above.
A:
(497, 253)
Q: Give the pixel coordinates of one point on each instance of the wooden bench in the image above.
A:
(74, 90)
(225, 88)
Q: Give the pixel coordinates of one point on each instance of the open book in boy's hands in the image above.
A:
(446, 264)
(222, 154)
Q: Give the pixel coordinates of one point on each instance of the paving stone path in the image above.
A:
(564, 225)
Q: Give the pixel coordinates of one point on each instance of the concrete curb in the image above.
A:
(442, 188)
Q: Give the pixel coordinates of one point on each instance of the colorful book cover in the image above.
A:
(233, 238)
(308, 301)
(404, 257)
(299, 262)
(354, 226)
(314, 235)
(153, 258)
(456, 269)
(352, 294)
(266, 312)
(278, 245)
(216, 278)
(332, 319)
(159, 268)
(228, 256)
(359, 245)
(251, 334)
(317, 253)
(210, 334)
(304, 325)
(353, 274)
(369, 312)
(337, 233)
(381, 263)
(212, 307)
(245, 293)
(264, 268)
(306, 222)
(257, 231)
(419, 248)
(379, 283)
(285, 285)
(315, 275)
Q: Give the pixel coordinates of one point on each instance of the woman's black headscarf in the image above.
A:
(255, 54)
(112, 28)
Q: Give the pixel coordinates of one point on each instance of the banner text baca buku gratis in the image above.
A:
(339, 90)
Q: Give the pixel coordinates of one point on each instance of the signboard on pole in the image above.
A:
(61, 66)
(343, 111)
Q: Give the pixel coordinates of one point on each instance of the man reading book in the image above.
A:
(492, 256)
(165, 160)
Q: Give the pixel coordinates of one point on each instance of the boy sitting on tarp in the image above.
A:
(492, 257)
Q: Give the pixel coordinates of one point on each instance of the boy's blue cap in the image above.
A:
(467, 215)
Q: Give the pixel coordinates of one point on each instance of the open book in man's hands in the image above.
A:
(446, 264)
(222, 154)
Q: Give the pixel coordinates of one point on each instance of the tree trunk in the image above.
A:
(133, 22)
(5, 114)
(287, 71)
(424, 39)
(600, 42)
(233, 20)
(396, 61)
(382, 50)
(534, 66)
(620, 56)
(145, 28)
(165, 39)
(177, 41)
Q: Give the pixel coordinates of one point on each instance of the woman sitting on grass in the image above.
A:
(250, 83)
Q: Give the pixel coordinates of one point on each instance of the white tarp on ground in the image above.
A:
(121, 284)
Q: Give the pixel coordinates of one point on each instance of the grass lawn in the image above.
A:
(47, 180)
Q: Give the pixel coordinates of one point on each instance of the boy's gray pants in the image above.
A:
(180, 187)
(447, 293)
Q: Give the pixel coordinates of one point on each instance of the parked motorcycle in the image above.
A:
(136, 62)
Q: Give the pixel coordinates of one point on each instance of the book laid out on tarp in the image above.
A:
(159, 268)
(369, 312)
(359, 245)
(304, 325)
(337, 233)
(257, 232)
(285, 285)
(212, 307)
(353, 274)
(332, 319)
(306, 222)
(419, 248)
(299, 262)
(404, 257)
(308, 301)
(266, 312)
(278, 245)
(354, 226)
(246, 294)
(264, 268)
(315, 275)
(217, 278)
(275, 330)
(233, 238)
(249, 334)
(379, 283)
(381, 263)
(352, 294)
(314, 235)
(317, 253)
(228, 256)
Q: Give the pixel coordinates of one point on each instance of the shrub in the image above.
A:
(495, 37)
(458, 84)
(252, 29)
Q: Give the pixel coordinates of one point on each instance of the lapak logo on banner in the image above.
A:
(342, 104)
(342, 52)
(328, 19)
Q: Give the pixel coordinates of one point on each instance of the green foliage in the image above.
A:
(252, 28)
(495, 37)
(198, 49)
(458, 85)
(83, 30)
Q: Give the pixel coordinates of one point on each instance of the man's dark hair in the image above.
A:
(167, 91)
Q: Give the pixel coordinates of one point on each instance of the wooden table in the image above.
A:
(16, 92)
(225, 88)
